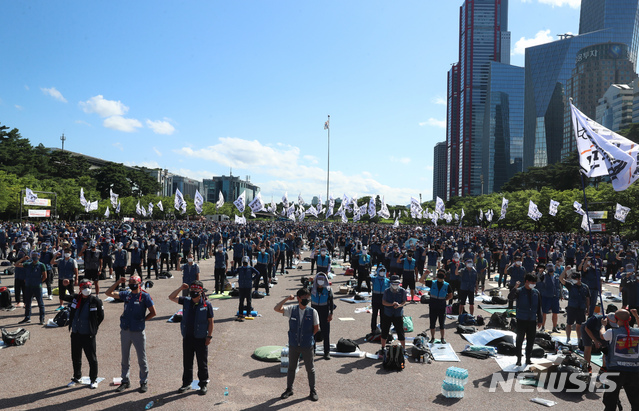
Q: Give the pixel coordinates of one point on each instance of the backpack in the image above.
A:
(466, 319)
(506, 348)
(256, 294)
(5, 298)
(480, 320)
(346, 345)
(499, 300)
(234, 292)
(498, 321)
(18, 337)
(456, 309)
(547, 345)
(393, 358)
(466, 329)
(538, 352)
(62, 317)
(9, 271)
(419, 347)
(424, 299)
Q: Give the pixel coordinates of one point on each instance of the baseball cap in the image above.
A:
(394, 279)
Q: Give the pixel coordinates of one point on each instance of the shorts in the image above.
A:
(577, 315)
(91, 275)
(437, 313)
(549, 304)
(588, 342)
(408, 282)
(466, 294)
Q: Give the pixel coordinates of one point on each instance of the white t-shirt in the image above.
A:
(289, 309)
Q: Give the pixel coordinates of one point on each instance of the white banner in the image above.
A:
(113, 197)
(39, 213)
(107, 213)
(160, 206)
(533, 211)
(240, 202)
(257, 204)
(40, 202)
(621, 213)
(31, 196)
(553, 207)
(504, 208)
(220, 201)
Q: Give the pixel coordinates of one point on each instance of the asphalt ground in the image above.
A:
(35, 376)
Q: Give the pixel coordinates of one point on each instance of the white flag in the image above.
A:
(448, 217)
(439, 206)
(220, 201)
(93, 206)
(117, 210)
(240, 202)
(83, 200)
(584, 222)
(160, 206)
(578, 208)
(344, 218)
(290, 211)
(621, 213)
(300, 200)
(257, 205)
(198, 200)
(273, 207)
(533, 211)
(372, 212)
(107, 212)
(31, 196)
(138, 209)
(285, 200)
(504, 208)
(489, 215)
(312, 211)
(384, 213)
(253, 214)
(150, 208)
(113, 197)
(456, 217)
(603, 152)
(396, 223)
(362, 210)
(553, 207)
(178, 200)
(481, 214)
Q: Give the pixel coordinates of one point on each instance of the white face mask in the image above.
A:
(190, 260)
(320, 283)
(394, 287)
(67, 255)
(518, 263)
(323, 253)
(86, 292)
(532, 285)
(469, 265)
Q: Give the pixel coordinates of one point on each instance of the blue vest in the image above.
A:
(220, 259)
(409, 264)
(300, 334)
(33, 274)
(380, 284)
(468, 279)
(189, 273)
(120, 259)
(391, 297)
(577, 295)
(619, 357)
(245, 276)
(262, 257)
(321, 297)
(364, 259)
(439, 293)
(66, 269)
(323, 261)
(516, 274)
(201, 326)
(527, 304)
(135, 306)
(136, 256)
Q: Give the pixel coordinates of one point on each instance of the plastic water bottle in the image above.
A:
(149, 405)
(226, 393)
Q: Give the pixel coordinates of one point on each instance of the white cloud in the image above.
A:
(157, 152)
(120, 123)
(102, 107)
(434, 122)
(118, 146)
(310, 159)
(560, 3)
(439, 101)
(160, 127)
(54, 93)
(282, 168)
(18, 107)
(523, 43)
(83, 122)
(147, 164)
(403, 160)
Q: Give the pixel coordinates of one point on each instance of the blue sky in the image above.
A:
(198, 87)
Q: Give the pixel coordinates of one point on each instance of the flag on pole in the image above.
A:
(83, 200)
(504, 208)
(31, 196)
(327, 123)
(113, 197)
(198, 202)
(603, 152)
(220, 201)
(533, 211)
(578, 208)
(344, 218)
(150, 208)
(384, 211)
(439, 206)
(117, 210)
(300, 200)
(240, 202)
(178, 201)
(285, 200)
(396, 223)
(257, 205)
(481, 214)
(489, 215)
(372, 212)
(553, 207)
(138, 209)
(621, 213)
(461, 217)
(160, 206)
(107, 212)
(586, 222)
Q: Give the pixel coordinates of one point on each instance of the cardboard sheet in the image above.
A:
(443, 352)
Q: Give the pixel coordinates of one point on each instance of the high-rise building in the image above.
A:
(503, 143)
(186, 185)
(549, 67)
(439, 171)
(615, 108)
(452, 134)
(231, 188)
(483, 38)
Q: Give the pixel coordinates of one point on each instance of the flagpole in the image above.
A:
(328, 159)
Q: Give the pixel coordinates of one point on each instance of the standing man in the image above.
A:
(174, 247)
(550, 290)
(591, 276)
(363, 271)
(85, 318)
(394, 300)
(190, 272)
(467, 287)
(35, 273)
(440, 292)
(578, 302)
(132, 324)
(67, 270)
(262, 268)
(482, 266)
(528, 314)
(380, 284)
(92, 264)
(152, 259)
(221, 265)
(516, 272)
(409, 271)
(119, 263)
(323, 261)
(197, 333)
(245, 276)
(322, 302)
(303, 324)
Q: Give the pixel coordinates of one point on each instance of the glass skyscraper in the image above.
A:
(503, 143)
(483, 38)
(550, 66)
(439, 170)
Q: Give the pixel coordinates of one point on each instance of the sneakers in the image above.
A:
(73, 382)
(41, 321)
(313, 395)
(442, 341)
(123, 386)
(184, 388)
(143, 388)
(554, 330)
(93, 385)
(50, 297)
(59, 308)
(287, 393)
(327, 357)
(25, 321)
(203, 390)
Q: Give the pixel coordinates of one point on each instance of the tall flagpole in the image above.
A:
(328, 158)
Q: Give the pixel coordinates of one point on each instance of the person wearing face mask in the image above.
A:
(119, 263)
(454, 266)
(152, 259)
(516, 271)
(221, 266)
(529, 316)
(323, 261)
(46, 258)
(409, 271)
(174, 248)
(92, 263)
(246, 275)
(303, 324)
(191, 272)
(322, 302)
(440, 292)
(578, 301)
(550, 290)
(468, 286)
(394, 300)
(132, 324)
(379, 284)
(262, 268)
(590, 269)
(85, 318)
(136, 257)
(67, 270)
(364, 270)
(35, 273)
(197, 333)
(622, 358)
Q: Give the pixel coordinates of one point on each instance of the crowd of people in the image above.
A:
(389, 262)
